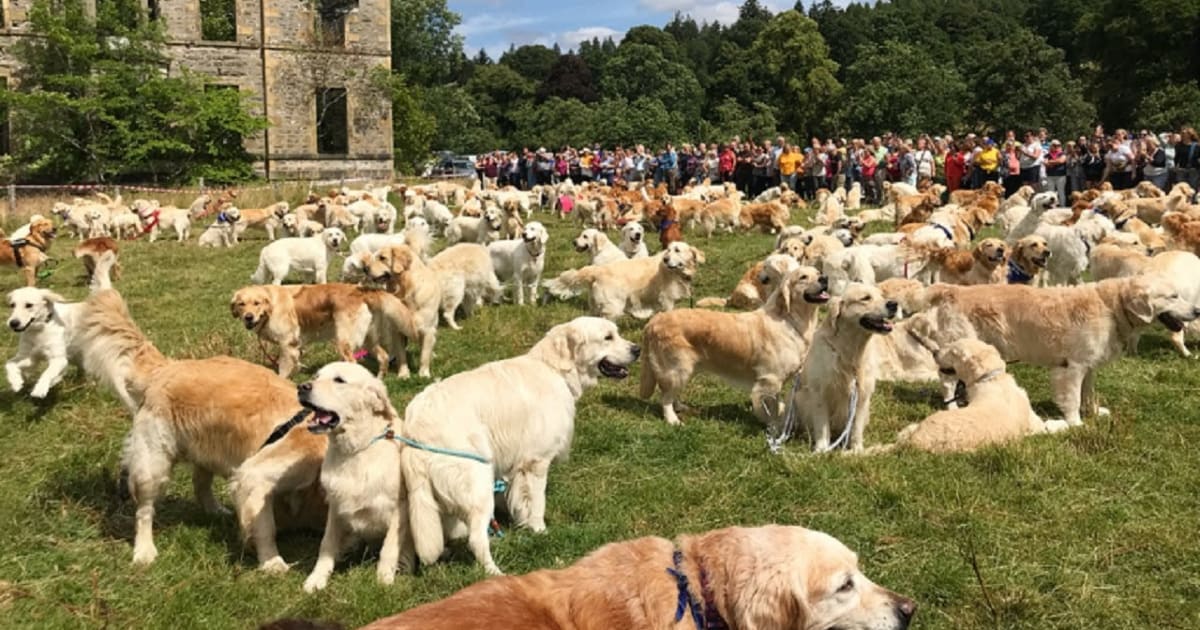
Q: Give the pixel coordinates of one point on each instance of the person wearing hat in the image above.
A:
(1056, 171)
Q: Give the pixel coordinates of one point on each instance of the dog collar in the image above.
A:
(284, 428)
(990, 376)
(1087, 247)
(704, 612)
(945, 230)
(1016, 275)
(223, 218)
(666, 223)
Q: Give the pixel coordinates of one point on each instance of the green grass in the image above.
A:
(1092, 529)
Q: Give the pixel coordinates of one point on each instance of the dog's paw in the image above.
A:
(143, 556)
(493, 570)
(40, 391)
(385, 576)
(1103, 412)
(274, 566)
(315, 583)
(1056, 426)
(16, 384)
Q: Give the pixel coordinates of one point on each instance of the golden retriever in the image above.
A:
(29, 253)
(1071, 330)
(985, 264)
(836, 384)
(404, 274)
(599, 248)
(771, 216)
(361, 471)
(290, 315)
(757, 284)
(519, 415)
(1028, 260)
(101, 261)
(212, 412)
(641, 287)
(760, 350)
(764, 578)
(998, 410)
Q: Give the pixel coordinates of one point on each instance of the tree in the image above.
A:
(459, 125)
(569, 77)
(641, 70)
(656, 37)
(413, 125)
(730, 119)
(596, 54)
(496, 91)
(1170, 107)
(752, 19)
(794, 62)
(93, 102)
(1023, 84)
(425, 48)
(554, 123)
(894, 86)
(532, 62)
(645, 120)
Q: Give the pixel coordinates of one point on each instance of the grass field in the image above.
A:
(1095, 528)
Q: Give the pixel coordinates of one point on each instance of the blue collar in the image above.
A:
(223, 218)
(704, 612)
(1016, 275)
(945, 230)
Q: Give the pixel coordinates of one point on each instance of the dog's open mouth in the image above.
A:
(581, 248)
(876, 323)
(321, 421)
(1173, 324)
(1041, 262)
(612, 370)
(821, 296)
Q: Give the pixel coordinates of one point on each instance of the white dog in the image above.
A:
(518, 415)
(633, 240)
(466, 277)
(598, 247)
(361, 471)
(45, 324)
(482, 230)
(522, 260)
(308, 254)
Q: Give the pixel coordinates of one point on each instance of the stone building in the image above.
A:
(307, 64)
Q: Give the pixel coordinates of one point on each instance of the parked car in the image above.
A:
(451, 166)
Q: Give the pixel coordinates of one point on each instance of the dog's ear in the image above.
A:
(52, 298)
(233, 305)
(835, 313)
(698, 255)
(557, 348)
(1137, 302)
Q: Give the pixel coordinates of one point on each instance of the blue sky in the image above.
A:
(494, 24)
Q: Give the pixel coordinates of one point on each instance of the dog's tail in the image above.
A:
(712, 302)
(260, 274)
(114, 349)
(569, 283)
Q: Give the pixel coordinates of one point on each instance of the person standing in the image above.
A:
(956, 167)
(1154, 168)
(1056, 171)
(987, 163)
(1031, 158)
(923, 163)
(1119, 164)
(726, 163)
(1189, 166)
(789, 161)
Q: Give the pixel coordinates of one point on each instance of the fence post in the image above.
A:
(201, 185)
(116, 192)
(12, 202)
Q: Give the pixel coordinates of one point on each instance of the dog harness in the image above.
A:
(704, 612)
(666, 223)
(1016, 275)
(154, 217)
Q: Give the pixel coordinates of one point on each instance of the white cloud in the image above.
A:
(572, 39)
(488, 23)
(723, 12)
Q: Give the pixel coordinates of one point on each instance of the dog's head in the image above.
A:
(333, 238)
(30, 306)
(791, 577)
(1032, 251)
(775, 267)
(800, 284)
(1044, 201)
(969, 360)
(492, 218)
(633, 232)
(417, 224)
(793, 247)
(681, 258)
(589, 347)
(290, 222)
(41, 231)
(232, 214)
(390, 262)
(251, 306)
(281, 209)
(990, 252)
(345, 397)
(590, 240)
(864, 306)
(355, 266)
(1153, 296)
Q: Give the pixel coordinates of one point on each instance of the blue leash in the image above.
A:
(686, 601)
(498, 486)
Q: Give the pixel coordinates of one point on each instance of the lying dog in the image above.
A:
(738, 578)
(46, 325)
(640, 287)
(518, 415)
(761, 349)
(836, 385)
(361, 471)
(998, 411)
(756, 285)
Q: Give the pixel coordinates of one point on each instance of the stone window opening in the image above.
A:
(333, 129)
(330, 27)
(4, 120)
(218, 20)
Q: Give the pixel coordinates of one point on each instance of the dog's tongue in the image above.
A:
(320, 419)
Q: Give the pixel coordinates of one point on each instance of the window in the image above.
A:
(332, 129)
(218, 20)
(4, 131)
(153, 10)
(331, 21)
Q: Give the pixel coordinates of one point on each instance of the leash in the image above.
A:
(775, 443)
(843, 439)
(273, 360)
(284, 428)
(149, 226)
(706, 618)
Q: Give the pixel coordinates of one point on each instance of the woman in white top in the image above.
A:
(1119, 165)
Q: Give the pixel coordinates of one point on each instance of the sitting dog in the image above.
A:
(308, 254)
(46, 325)
(801, 579)
(998, 410)
(761, 349)
(640, 287)
(518, 415)
(836, 384)
(361, 471)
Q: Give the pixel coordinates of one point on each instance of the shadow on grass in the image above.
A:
(732, 413)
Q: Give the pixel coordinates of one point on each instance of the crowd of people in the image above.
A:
(1037, 159)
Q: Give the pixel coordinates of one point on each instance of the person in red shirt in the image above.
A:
(956, 168)
(725, 164)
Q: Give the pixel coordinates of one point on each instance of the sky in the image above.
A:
(494, 24)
